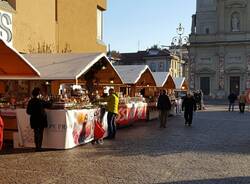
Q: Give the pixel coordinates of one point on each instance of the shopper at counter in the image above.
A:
(163, 105)
(112, 108)
(38, 118)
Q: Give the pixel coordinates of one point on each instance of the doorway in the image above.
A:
(235, 85)
(205, 85)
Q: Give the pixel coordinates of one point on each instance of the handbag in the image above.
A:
(98, 131)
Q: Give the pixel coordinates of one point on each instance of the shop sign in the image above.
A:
(6, 27)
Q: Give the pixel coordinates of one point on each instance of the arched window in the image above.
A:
(235, 22)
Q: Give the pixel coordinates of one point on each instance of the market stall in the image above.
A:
(13, 66)
(138, 85)
(72, 117)
(164, 81)
(87, 71)
(181, 86)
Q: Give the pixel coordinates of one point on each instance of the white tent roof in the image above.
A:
(160, 78)
(130, 74)
(179, 82)
(64, 66)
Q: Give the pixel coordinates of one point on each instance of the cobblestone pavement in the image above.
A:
(216, 149)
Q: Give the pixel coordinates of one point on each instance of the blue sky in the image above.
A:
(149, 22)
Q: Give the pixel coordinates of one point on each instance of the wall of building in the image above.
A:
(77, 25)
(56, 25)
(224, 52)
(34, 25)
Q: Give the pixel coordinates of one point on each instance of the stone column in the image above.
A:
(221, 77)
(192, 72)
(221, 72)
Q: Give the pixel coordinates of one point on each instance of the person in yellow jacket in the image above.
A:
(112, 108)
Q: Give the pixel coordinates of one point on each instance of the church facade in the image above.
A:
(220, 47)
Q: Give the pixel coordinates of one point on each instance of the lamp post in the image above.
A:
(178, 41)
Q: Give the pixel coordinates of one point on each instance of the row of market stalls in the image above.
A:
(75, 83)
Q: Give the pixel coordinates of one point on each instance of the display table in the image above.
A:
(66, 128)
(129, 113)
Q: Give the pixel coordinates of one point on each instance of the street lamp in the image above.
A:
(179, 40)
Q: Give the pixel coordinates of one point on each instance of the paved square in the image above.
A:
(216, 149)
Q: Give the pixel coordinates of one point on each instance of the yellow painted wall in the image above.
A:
(35, 28)
(77, 25)
(33, 24)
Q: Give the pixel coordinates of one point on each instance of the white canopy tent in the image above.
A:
(164, 80)
(180, 83)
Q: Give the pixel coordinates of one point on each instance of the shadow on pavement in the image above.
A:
(8, 149)
(233, 180)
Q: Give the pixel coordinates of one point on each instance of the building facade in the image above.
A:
(55, 26)
(220, 47)
(158, 60)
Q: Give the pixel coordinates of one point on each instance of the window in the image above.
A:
(56, 11)
(161, 67)
(153, 67)
(207, 31)
(99, 24)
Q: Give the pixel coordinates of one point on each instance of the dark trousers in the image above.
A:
(242, 107)
(188, 115)
(38, 137)
(163, 116)
(111, 125)
(231, 105)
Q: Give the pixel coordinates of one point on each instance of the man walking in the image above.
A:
(163, 105)
(189, 106)
(231, 98)
(242, 102)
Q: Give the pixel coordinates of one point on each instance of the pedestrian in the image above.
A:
(38, 118)
(242, 102)
(112, 108)
(163, 105)
(188, 106)
(231, 98)
(197, 97)
(178, 102)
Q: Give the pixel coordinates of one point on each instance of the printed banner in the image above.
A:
(131, 112)
(66, 128)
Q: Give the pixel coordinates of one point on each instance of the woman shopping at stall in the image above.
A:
(38, 118)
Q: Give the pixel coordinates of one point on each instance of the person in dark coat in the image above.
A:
(189, 106)
(163, 105)
(38, 118)
(231, 98)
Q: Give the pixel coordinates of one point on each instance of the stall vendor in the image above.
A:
(112, 108)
